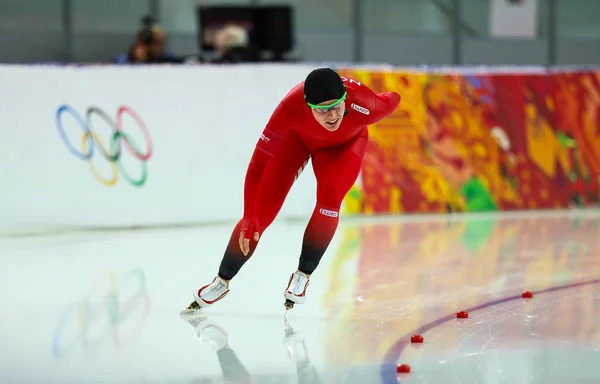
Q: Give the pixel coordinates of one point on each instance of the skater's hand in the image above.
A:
(249, 225)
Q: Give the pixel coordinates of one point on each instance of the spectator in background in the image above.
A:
(232, 46)
(148, 46)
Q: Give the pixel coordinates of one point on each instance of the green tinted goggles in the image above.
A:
(329, 107)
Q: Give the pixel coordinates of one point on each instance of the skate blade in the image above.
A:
(289, 304)
(193, 311)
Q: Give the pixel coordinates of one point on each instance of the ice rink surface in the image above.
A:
(104, 307)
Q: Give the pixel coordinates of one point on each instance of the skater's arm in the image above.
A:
(380, 105)
(257, 165)
(385, 104)
(268, 144)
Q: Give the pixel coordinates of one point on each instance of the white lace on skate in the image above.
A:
(296, 290)
(211, 293)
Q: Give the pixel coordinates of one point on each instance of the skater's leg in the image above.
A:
(336, 170)
(278, 177)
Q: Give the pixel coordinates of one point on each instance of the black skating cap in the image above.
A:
(323, 84)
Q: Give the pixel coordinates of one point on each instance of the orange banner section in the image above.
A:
(481, 142)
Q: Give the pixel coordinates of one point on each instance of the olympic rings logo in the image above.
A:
(91, 141)
(103, 314)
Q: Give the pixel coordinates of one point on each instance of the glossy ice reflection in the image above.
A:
(104, 307)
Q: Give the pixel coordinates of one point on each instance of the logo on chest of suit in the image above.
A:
(360, 109)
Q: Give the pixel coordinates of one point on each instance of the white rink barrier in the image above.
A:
(138, 146)
(109, 146)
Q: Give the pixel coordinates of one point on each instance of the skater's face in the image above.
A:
(330, 113)
(330, 118)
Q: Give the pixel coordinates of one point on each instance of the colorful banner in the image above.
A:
(481, 142)
(466, 140)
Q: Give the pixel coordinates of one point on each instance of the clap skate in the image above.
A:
(207, 296)
(295, 292)
(193, 315)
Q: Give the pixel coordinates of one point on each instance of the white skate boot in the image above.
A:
(211, 293)
(208, 295)
(295, 292)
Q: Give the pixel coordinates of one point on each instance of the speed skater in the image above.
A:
(323, 119)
